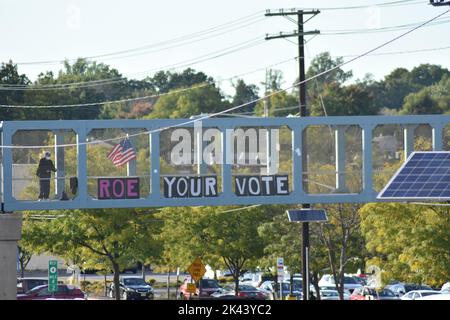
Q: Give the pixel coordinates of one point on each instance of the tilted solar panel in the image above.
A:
(425, 175)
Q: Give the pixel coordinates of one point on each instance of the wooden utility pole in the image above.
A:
(300, 33)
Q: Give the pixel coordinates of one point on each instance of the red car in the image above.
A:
(64, 292)
(207, 287)
(364, 293)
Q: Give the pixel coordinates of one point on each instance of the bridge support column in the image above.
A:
(408, 138)
(437, 134)
(339, 138)
(60, 167)
(10, 233)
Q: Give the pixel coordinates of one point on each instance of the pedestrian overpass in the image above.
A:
(211, 161)
(204, 162)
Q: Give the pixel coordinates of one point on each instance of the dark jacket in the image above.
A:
(45, 168)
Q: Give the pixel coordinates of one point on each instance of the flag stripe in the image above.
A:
(122, 153)
(114, 151)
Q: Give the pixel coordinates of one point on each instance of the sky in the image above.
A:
(54, 30)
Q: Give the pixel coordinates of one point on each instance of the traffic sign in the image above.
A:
(280, 268)
(191, 288)
(197, 269)
(52, 275)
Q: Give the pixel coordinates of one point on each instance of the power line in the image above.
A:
(398, 3)
(189, 122)
(179, 38)
(206, 57)
(211, 30)
(377, 30)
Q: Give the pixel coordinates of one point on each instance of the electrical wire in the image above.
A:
(398, 3)
(206, 57)
(211, 30)
(179, 38)
(377, 30)
(191, 121)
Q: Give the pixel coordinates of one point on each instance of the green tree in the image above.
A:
(219, 236)
(341, 100)
(408, 242)
(105, 238)
(429, 100)
(244, 94)
(184, 104)
(323, 62)
(9, 75)
(283, 239)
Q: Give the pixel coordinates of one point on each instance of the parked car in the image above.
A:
(244, 292)
(364, 293)
(370, 293)
(400, 288)
(332, 295)
(439, 296)
(417, 294)
(26, 284)
(64, 292)
(350, 283)
(272, 289)
(386, 294)
(132, 288)
(205, 288)
(251, 279)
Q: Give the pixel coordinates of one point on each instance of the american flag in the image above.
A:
(121, 153)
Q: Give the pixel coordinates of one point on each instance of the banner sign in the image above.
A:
(117, 188)
(190, 187)
(275, 185)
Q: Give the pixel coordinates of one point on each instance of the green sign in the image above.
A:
(53, 276)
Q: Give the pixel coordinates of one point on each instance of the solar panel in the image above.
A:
(425, 175)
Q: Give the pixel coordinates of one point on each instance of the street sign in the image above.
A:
(52, 276)
(280, 274)
(307, 215)
(197, 269)
(280, 268)
(191, 288)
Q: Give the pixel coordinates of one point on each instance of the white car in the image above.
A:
(418, 294)
(350, 283)
(251, 279)
(332, 295)
(439, 296)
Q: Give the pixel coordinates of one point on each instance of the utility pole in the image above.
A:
(300, 33)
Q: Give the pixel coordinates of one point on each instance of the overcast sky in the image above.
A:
(49, 30)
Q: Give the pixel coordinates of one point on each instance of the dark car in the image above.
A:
(64, 292)
(26, 284)
(244, 292)
(386, 294)
(205, 288)
(133, 288)
(400, 288)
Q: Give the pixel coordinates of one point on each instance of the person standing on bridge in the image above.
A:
(44, 172)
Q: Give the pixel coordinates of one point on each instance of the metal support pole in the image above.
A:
(60, 166)
(155, 165)
(339, 138)
(408, 138)
(82, 166)
(437, 133)
(131, 165)
(305, 258)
